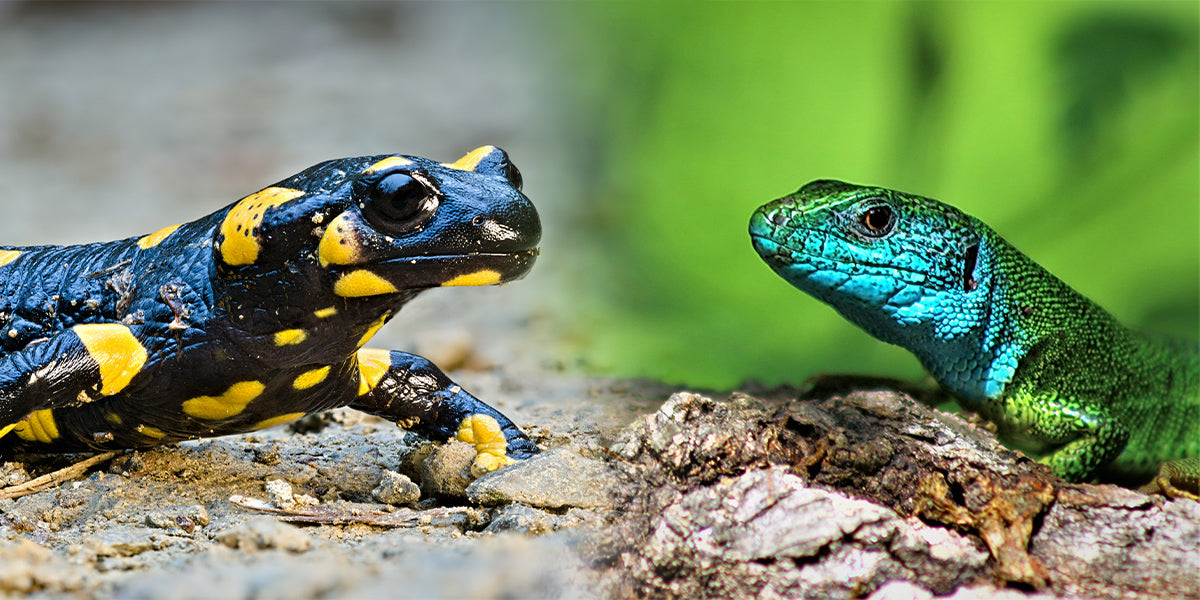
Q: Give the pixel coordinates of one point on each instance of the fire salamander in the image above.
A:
(258, 314)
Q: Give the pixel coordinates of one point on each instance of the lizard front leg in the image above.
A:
(411, 391)
(1081, 436)
(76, 366)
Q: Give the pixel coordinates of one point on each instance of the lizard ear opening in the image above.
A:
(969, 260)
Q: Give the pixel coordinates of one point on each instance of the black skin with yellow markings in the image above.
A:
(256, 314)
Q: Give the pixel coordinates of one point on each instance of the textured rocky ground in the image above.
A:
(331, 510)
(842, 491)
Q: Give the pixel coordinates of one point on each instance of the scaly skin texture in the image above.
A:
(1058, 375)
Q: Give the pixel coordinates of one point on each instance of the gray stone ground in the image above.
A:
(172, 523)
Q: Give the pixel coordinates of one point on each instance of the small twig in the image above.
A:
(50, 480)
(330, 515)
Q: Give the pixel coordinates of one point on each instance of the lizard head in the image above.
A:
(902, 267)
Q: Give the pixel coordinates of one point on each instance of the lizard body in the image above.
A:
(1060, 376)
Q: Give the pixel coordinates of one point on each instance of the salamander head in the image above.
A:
(387, 224)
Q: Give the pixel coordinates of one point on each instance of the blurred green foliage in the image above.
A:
(1070, 127)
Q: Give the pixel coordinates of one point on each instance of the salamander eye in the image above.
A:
(878, 220)
(398, 203)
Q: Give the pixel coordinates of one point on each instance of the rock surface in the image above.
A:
(265, 533)
(446, 472)
(164, 524)
(766, 533)
(395, 488)
(553, 479)
(26, 566)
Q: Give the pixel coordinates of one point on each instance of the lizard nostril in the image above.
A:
(778, 219)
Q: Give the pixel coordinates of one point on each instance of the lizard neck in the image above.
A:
(968, 342)
(1024, 307)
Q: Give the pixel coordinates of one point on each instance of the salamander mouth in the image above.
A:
(481, 251)
(482, 268)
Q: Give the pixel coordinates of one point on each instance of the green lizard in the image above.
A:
(1059, 376)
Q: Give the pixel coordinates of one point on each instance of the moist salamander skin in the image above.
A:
(259, 313)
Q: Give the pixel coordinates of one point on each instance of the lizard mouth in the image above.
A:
(787, 261)
(771, 251)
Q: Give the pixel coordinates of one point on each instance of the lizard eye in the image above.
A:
(877, 221)
(398, 203)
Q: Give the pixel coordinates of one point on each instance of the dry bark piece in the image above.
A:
(705, 522)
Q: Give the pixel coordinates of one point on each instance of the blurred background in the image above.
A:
(647, 134)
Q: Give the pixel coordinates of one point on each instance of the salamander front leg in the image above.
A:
(412, 392)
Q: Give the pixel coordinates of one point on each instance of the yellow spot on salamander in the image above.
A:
(373, 363)
(232, 402)
(239, 239)
(280, 420)
(308, 379)
(7, 256)
(484, 277)
(39, 426)
(290, 337)
(156, 238)
(151, 432)
(360, 283)
(6, 429)
(470, 161)
(370, 333)
(387, 163)
(338, 245)
(490, 444)
(325, 312)
(113, 347)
